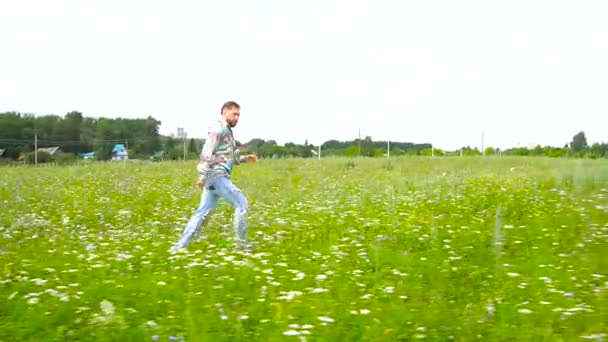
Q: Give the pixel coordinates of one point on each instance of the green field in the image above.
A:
(459, 249)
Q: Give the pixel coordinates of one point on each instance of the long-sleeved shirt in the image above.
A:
(219, 154)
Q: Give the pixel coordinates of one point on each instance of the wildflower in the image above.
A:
(289, 296)
(325, 319)
(38, 281)
(319, 290)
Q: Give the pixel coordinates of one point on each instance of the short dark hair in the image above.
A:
(229, 105)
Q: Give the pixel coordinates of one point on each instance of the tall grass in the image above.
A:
(364, 249)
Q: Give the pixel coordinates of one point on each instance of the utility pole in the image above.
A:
(182, 134)
(483, 153)
(319, 152)
(36, 148)
(388, 149)
(359, 142)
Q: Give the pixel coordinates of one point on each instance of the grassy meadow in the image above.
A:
(459, 249)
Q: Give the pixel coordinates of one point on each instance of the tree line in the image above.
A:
(76, 135)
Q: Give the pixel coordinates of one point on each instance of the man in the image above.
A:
(218, 156)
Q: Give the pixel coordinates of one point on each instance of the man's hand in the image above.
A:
(200, 183)
(251, 158)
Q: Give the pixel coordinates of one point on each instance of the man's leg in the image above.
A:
(235, 197)
(207, 204)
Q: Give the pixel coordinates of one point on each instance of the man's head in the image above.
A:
(231, 113)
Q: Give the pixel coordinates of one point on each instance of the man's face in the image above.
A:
(232, 116)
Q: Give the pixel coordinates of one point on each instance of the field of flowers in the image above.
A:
(345, 250)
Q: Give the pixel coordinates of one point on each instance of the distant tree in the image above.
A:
(537, 151)
(192, 146)
(397, 151)
(598, 150)
(267, 149)
(352, 151)
(579, 142)
(254, 145)
(468, 151)
(426, 152)
(521, 151)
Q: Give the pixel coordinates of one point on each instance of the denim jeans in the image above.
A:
(218, 188)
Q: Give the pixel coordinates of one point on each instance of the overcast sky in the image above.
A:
(442, 72)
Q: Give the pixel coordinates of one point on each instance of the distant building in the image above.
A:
(160, 155)
(2, 157)
(50, 150)
(119, 152)
(88, 155)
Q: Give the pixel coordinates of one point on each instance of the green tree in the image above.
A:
(192, 146)
(537, 151)
(579, 142)
(352, 151)
(69, 131)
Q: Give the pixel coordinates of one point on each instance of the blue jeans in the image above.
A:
(218, 188)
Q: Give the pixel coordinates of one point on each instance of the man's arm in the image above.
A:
(250, 158)
(206, 158)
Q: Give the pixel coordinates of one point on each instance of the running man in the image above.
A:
(218, 156)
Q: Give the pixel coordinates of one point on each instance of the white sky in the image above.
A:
(524, 72)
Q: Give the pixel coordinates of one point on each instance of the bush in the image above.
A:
(63, 158)
(43, 157)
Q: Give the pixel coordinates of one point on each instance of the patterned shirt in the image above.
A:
(219, 154)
